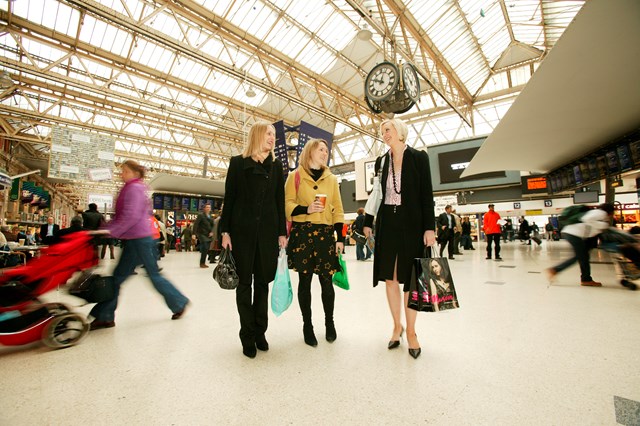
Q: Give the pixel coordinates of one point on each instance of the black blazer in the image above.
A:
(253, 215)
(443, 220)
(419, 216)
(43, 233)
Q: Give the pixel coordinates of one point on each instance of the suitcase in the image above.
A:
(537, 240)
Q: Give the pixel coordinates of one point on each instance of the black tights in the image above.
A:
(304, 297)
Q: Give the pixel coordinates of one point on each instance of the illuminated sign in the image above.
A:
(534, 184)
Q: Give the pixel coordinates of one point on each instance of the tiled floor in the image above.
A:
(518, 351)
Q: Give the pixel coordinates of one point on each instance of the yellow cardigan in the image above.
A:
(327, 184)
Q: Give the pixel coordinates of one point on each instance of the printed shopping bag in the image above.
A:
(341, 278)
(281, 294)
(431, 288)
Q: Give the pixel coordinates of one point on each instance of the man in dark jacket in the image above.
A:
(48, 231)
(446, 225)
(358, 226)
(203, 228)
(92, 219)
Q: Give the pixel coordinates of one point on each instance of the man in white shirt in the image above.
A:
(583, 237)
(48, 231)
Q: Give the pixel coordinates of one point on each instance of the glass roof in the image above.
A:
(180, 75)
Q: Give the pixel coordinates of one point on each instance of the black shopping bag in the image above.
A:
(225, 273)
(93, 288)
(432, 288)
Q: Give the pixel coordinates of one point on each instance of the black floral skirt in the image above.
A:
(312, 249)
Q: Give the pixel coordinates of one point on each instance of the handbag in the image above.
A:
(375, 198)
(93, 288)
(340, 278)
(282, 293)
(225, 272)
(358, 237)
(431, 288)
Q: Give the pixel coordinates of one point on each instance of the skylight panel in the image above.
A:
(316, 58)
(66, 20)
(336, 32)
(97, 69)
(212, 47)
(121, 42)
(166, 23)
(287, 39)
(257, 21)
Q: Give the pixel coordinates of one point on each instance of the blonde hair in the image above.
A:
(400, 126)
(255, 138)
(305, 156)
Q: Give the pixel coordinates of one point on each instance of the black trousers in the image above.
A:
(304, 297)
(252, 300)
(496, 239)
(448, 242)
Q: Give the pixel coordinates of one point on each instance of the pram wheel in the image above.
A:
(65, 330)
(628, 284)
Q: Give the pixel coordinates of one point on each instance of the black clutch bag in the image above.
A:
(225, 273)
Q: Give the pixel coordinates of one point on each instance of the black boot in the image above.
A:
(309, 335)
(331, 331)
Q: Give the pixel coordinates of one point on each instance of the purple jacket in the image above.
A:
(133, 212)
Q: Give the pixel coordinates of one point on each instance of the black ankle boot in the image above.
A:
(331, 332)
(309, 336)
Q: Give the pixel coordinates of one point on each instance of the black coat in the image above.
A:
(202, 227)
(254, 216)
(444, 234)
(43, 233)
(418, 216)
(92, 220)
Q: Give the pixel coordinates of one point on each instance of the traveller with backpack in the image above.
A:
(580, 227)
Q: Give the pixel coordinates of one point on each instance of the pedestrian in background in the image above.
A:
(492, 232)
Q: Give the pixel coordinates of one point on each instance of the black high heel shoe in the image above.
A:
(415, 353)
(395, 343)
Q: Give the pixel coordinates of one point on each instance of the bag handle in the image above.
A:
(430, 251)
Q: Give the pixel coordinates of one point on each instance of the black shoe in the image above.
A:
(488, 257)
(249, 351)
(178, 315)
(309, 336)
(393, 344)
(451, 258)
(331, 334)
(471, 248)
(415, 353)
(261, 343)
(97, 325)
(498, 258)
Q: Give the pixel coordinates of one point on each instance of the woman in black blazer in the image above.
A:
(404, 223)
(253, 227)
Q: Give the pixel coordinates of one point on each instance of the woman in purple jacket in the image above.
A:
(132, 225)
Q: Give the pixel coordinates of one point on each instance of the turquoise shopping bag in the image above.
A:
(281, 294)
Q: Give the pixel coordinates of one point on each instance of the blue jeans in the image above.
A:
(204, 249)
(141, 251)
(360, 251)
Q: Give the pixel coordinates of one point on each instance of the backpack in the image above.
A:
(572, 214)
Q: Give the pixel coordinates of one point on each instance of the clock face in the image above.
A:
(410, 81)
(382, 81)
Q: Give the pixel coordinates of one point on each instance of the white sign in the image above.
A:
(100, 174)
(61, 148)
(79, 137)
(105, 155)
(70, 169)
(103, 201)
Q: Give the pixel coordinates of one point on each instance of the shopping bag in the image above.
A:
(225, 272)
(431, 288)
(92, 287)
(340, 278)
(375, 198)
(281, 294)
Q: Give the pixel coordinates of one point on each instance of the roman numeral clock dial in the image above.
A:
(382, 81)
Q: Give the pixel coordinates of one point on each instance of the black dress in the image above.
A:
(399, 230)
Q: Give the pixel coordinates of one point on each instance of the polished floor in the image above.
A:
(518, 352)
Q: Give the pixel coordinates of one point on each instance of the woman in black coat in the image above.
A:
(405, 223)
(253, 227)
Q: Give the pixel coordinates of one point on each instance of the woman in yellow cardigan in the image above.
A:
(312, 248)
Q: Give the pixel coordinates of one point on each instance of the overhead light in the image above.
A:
(250, 92)
(5, 80)
(365, 33)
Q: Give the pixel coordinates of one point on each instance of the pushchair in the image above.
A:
(23, 318)
(624, 252)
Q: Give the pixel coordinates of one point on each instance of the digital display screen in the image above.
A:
(453, 163)
(612, 161)
(585, 197)
(168, 202)
(624, 157)
(634, 147)
(534, 185)
(577, 175)
(602, 166)
(158, 200)
(186, 203)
